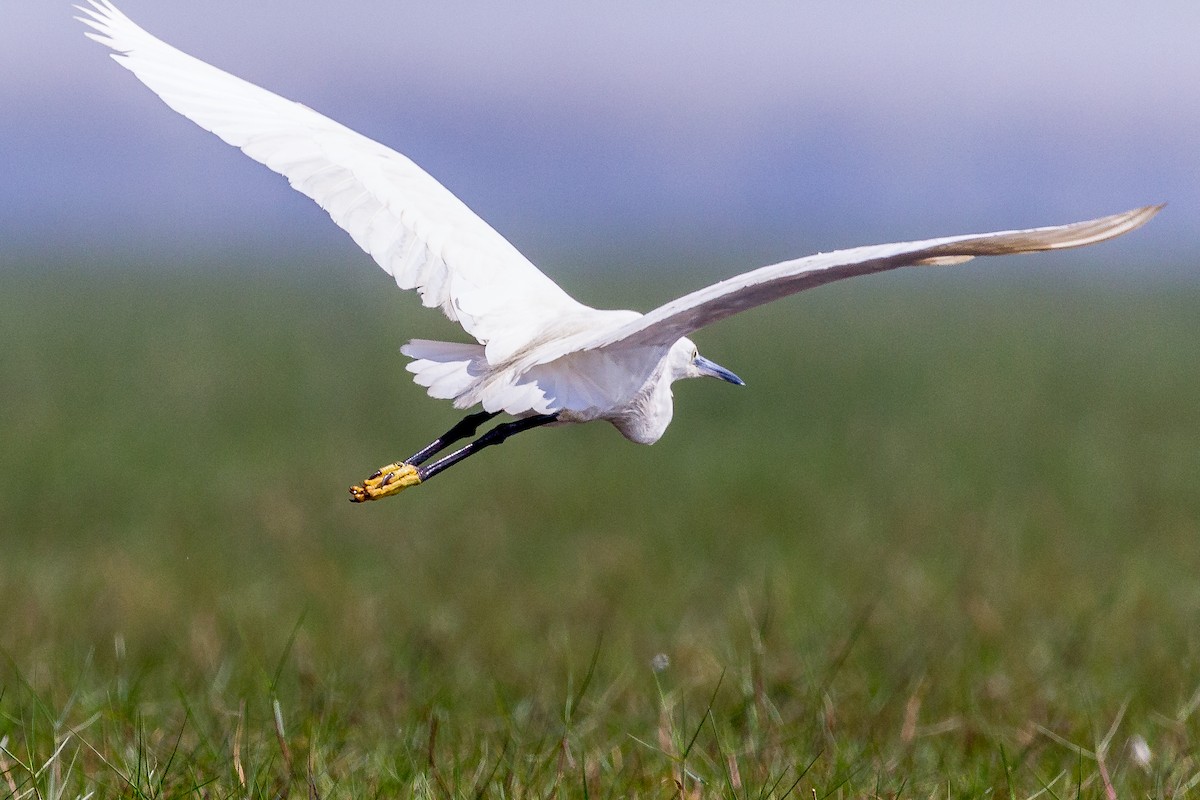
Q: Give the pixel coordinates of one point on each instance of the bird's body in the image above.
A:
(539, 355)
(629, 387)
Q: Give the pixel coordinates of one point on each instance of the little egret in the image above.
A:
(540, 356)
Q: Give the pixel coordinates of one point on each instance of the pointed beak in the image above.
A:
(713, 370)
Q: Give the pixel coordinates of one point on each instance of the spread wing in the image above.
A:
(666, 324)
(411, 225)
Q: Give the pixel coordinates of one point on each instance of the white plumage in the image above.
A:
(539, 351)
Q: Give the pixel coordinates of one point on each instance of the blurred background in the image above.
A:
(649, 134)
(951, 510)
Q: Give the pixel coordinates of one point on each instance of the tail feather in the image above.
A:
(445, 369)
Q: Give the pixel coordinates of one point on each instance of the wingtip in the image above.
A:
(1134, 218)
(1100, 229)
(1145, 213)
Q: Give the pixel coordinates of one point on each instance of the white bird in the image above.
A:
(540, 355)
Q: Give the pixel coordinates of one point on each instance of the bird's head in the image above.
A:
(685, 361)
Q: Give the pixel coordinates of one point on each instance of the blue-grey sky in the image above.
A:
(737, 133)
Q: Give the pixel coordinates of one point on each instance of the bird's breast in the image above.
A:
(645, 418)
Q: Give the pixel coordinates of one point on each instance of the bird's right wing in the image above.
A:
(411, 225)
(667, 323)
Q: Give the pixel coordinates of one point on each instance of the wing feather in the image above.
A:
(410, 224)
(667, 323)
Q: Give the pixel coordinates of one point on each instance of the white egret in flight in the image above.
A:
(539, 355)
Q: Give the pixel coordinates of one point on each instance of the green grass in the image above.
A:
(945, 544)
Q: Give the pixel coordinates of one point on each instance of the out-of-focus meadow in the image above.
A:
(944, 543)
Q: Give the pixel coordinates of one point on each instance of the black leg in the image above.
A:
(395, 478)
(495, 436)
(462, 430)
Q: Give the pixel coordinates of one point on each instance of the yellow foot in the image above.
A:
(389, 480)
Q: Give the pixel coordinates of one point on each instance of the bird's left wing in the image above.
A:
(411, 225)
(667, 323)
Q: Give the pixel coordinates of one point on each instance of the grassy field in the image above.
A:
(946, 543)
